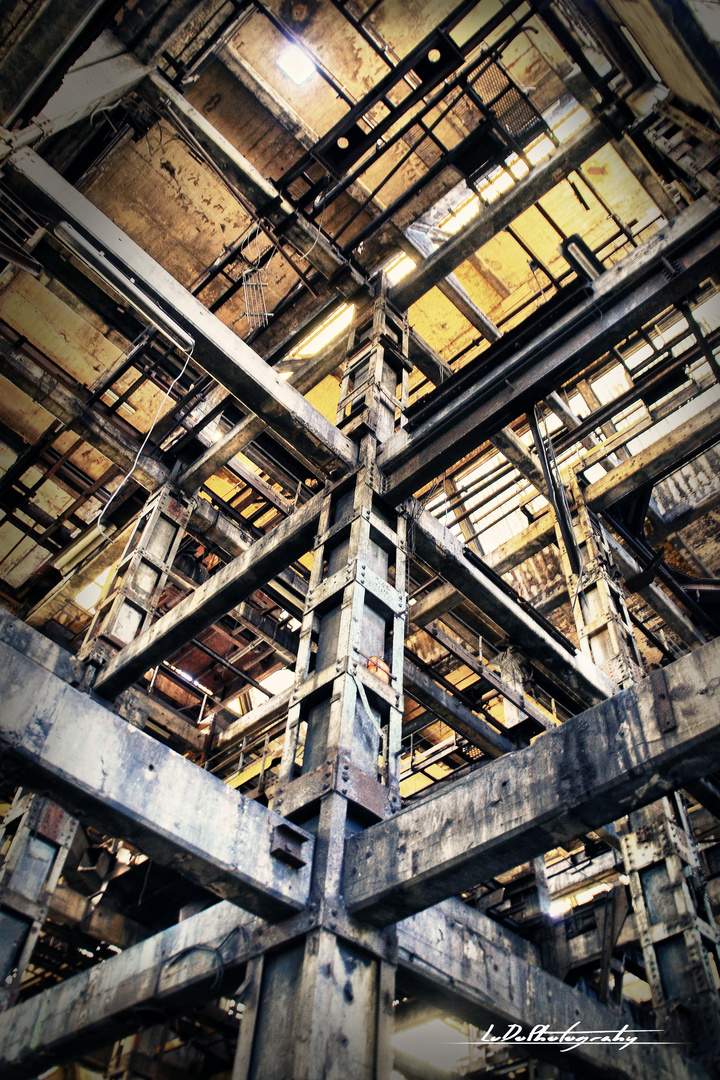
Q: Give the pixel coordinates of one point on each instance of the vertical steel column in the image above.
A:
(129, 603)
(139, 1056)
(527, 897)
(322, 1009)
(35, 840)
(603, 624)
(678, 934)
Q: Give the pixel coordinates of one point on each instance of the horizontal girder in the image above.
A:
(622, 754)
(223, 354)
(108, 773)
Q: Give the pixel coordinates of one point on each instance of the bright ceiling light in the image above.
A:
(326, 332)
(296, 64)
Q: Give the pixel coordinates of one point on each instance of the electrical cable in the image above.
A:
(142, 446)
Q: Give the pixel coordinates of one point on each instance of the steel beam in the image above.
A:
(456, 715)
(234, 583)
(24, 372)
(655, 597)
(617, 756)
(498, 215)
(447, 952)
(293, 420)
(649, 466)
(631, 292)
(108, 773)
(305, 377)
(561, 662)
(263, 196)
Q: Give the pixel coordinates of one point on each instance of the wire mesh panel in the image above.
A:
(256, 311)
(508, 105)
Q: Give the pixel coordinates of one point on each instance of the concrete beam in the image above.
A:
(562, 663)
(117, 778)
(101, 1004)
(447, 952)
(625, 753)
(222, 592)
(632, 291)
(292, 419)
(498, 215)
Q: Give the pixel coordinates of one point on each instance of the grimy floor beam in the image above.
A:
(498, 215)
(447, 952)
(108, 773)
(292, 419)
(625, 753)
(631, 292)
(446, 555)
(103, 1003)
(222, 592)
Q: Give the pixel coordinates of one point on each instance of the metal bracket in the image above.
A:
(286, 844)
(667, 721)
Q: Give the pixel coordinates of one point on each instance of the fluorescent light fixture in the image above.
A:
(88, 597)
(125, 288)
(296, 64)
(326, 332)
